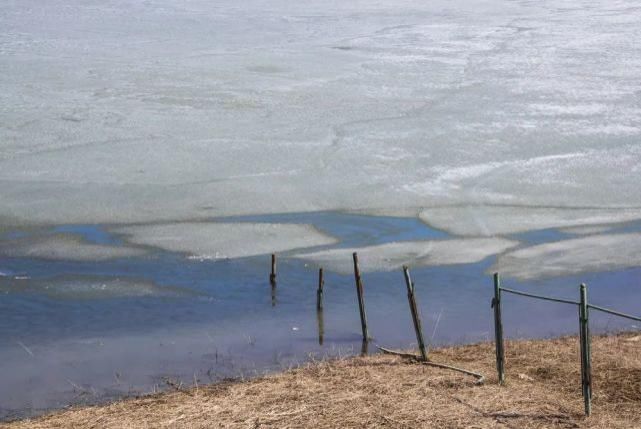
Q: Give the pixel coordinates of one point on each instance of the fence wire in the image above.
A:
(568, 301)
(545, 298)
(615, 313)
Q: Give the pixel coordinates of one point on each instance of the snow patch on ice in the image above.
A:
(208, 240)
(390, 256)
(587, 254)
(64, 247)
(500, 220)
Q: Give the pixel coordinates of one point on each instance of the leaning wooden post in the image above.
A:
(584, 337)
(319, 292)
(361, 301)
(272, 276)
(498, 329)
(416, 318)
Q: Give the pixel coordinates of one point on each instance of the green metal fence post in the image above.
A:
(498, 329)
(584, 337)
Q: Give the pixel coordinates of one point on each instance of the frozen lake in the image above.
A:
(154, 153)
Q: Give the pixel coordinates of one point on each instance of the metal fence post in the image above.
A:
(584, 337)
(498, 329)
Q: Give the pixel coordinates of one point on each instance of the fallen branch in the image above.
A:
(480, 378)
(514, 415)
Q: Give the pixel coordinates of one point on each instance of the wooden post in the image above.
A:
(498, 329)
(272, 276)
(364, 348)
(416, 318)
(361, 301)
(273, 295)
(321, 326)
(584, 337)
(319, 307)
(272, 280)
(319, 292)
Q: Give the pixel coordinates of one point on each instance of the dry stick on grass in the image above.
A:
(512, 415)
(480, 378)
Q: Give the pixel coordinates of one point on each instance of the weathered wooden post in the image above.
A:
(272, 280)
(364, 348)
(584, 338)
(272, 276)
(361, 300)
(416, 318)
(321, 326)
(319, 292)
(498, 329)
(319, 307)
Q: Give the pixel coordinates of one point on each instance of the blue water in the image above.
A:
(91, 233)
(219, 318)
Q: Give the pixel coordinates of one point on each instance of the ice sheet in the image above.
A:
(226, 240)
(65, 247)
(117, 112)
(586, 254)
(499, 220)
(391, 256)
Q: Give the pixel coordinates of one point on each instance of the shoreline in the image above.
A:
(542, 389)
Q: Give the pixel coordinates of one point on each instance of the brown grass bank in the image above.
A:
(542, 391)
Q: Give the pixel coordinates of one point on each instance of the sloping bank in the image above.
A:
(542, 390)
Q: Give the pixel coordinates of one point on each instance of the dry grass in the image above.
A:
(543, 390)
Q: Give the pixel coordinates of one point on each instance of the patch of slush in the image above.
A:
(481, 220)
(391, 256)
(204, 240)
(64, 247)
(579, 255)
(139, 112)
(80, 287)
